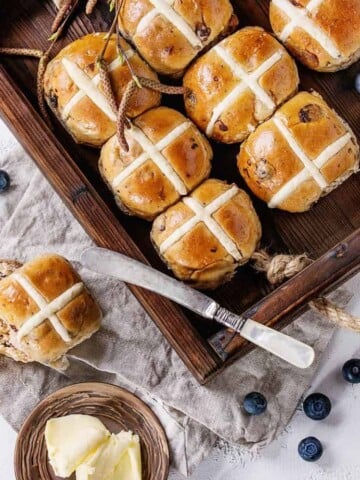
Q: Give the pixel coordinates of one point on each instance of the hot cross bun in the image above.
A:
(45, 310)
(169, 34)
(302, 153)
(204, 237)
(323, 34)
(74, 92)
(167, 158)
(238, 84)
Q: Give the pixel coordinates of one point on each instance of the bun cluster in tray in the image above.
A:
(242, 89)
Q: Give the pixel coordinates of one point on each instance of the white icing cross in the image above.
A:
(312, 167)
(165, 8)
(204, 214)
(299, 17)
(247, 80)
(153, 152)
(88, 86)
(46, 310)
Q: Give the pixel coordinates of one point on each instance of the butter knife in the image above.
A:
(131, 271)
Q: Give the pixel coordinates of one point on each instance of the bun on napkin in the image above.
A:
(323, 34)
(45, 310)
(204, 237)
(302, 153)
(74, 92)
(238, 84)
(167, 158)
(170, 34)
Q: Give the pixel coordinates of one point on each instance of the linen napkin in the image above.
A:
(130, 351)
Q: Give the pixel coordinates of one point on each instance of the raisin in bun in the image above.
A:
(302, 153)
(170, 34)
(323, 34)
(45, 310)
(204, 237)
(238, 84)
(74, 92)
(167, 158)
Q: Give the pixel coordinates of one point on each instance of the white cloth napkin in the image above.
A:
(130, 351)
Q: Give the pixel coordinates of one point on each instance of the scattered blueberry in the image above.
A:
(351, 370)
(317, 406)
(357, 83)
(4, 181)
(310, 449)
(255, 403)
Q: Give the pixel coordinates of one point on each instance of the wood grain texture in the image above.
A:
(72, 171)
(117, 408)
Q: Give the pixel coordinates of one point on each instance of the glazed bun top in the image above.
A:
(303, 152)
(45, 309)
(322, 34)
(204, 237)
(74, 92)
(167, 158)
(238, 84)
(169, 34)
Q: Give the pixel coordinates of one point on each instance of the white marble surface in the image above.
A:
(339, 432)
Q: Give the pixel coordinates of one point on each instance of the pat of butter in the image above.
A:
(71, 439)
(118, 459)
(129, 467)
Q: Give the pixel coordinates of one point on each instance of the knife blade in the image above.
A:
(131, 271)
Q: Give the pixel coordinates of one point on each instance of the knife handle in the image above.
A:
(283, 346)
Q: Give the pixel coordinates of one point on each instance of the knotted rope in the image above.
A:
(280, 267)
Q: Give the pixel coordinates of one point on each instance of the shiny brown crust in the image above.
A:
(147, 191)
(198, 257)
(51, 275)
(86, 122)
(162, 45)
(339, 19)
(267, 162)
(209, 80)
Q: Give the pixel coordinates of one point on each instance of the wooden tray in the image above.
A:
(72, 171)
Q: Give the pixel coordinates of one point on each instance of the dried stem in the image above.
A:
(62, 13)
(122, 121)
(90, 5)
(110, 32)
(106, 84)
(43, 63)
(44, 60)
(62, 21)
(124, 104)
(124, 56)
(160, 87)
(21, 52)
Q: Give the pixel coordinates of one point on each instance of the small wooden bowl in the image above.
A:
(117, 408)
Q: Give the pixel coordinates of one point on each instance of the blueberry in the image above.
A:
(317, 406)
(255, 403)
(4, 181)
(357, 83)
(310, 449)
(351, 370)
